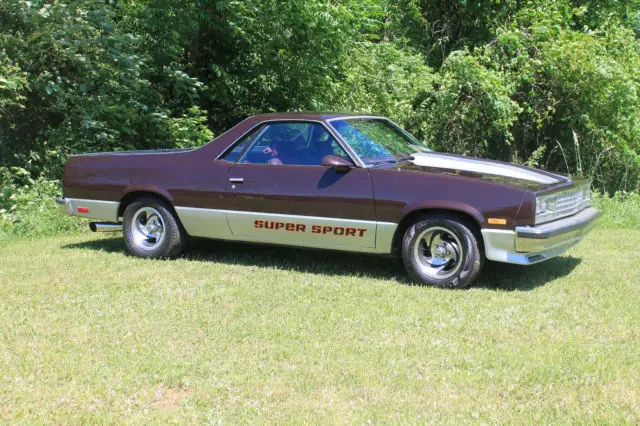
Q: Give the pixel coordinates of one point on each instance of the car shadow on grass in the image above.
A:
(507, 277)
(495, 276)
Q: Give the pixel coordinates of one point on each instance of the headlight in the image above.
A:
(545, 208)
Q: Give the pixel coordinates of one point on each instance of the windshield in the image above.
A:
(377, 141)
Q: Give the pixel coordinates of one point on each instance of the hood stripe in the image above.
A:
(480, 166)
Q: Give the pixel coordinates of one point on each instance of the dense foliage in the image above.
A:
(550, 83)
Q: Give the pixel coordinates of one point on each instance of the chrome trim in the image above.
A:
(530, 245)
(357, 117)
(500, 247)
(218, 224)
(236, 180)
(557, 233)
(138, 152)
(98, 209)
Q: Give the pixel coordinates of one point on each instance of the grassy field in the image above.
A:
(235, 333)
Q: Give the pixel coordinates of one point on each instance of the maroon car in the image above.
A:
(333, 181)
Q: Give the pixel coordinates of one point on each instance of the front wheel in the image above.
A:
(152, 230)
(442, 251)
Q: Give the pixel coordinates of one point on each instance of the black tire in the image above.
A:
(458, 239)
(173, 240)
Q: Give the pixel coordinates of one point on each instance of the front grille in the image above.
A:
(566, 203)
(569, 203)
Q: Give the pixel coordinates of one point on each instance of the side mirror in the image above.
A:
(337, 163)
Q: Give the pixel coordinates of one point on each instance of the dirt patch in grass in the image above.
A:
(170, 399)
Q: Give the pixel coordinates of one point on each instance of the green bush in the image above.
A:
(384, 79)
(76, 77)
(574, 95)
(30, 210)
(469, 110)
(555, 83)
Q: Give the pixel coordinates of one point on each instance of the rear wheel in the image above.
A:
(442, 251)
(152, 230)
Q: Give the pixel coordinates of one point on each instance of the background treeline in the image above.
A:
(550, 83)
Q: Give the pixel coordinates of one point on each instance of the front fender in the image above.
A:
(443, 205)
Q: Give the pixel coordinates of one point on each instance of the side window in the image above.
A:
(234, 154)
(293, 143)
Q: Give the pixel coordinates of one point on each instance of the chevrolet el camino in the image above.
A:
(332, 181)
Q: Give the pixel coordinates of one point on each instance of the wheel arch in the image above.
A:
(135, 194)
(473, 218)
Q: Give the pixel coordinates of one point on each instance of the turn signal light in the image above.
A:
(496, 221)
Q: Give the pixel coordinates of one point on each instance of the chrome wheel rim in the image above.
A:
(438, 252)
(148, 230)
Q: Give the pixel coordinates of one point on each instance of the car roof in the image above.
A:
(310, 115)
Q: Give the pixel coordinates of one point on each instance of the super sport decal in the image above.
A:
(342, 231)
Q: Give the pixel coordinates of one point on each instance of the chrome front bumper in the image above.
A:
(528, 245)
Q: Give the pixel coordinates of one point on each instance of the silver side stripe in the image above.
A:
(303, 231)
(480, 166)
(205, 223)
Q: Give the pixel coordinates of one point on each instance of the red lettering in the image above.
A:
(315, 229)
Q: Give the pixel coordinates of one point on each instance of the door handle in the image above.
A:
(236, 180)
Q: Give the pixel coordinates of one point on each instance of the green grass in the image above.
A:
(238, 333)
(621, 210)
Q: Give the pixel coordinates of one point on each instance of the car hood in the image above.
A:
(477, 168)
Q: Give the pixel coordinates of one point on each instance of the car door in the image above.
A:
(278, 191)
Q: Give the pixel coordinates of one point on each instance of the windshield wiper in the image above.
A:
(394, 161)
